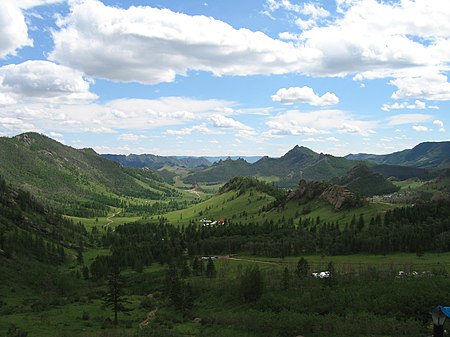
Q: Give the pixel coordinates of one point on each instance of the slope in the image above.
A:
(156, 162)
(423, 155)
(76, 182)
(363, 180)
(298, 163)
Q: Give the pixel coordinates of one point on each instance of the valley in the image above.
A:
(194, 248)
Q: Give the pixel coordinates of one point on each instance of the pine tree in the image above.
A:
(114, 296)
(302, 268)
(210, 269)
(286, 279)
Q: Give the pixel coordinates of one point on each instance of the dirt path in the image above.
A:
(195, 192)
(150, 317)
(110, 219)
(250, 260)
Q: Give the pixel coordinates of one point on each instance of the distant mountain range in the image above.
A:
(424, 155)
(156, 162)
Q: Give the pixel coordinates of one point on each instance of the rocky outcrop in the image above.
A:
(340, 197)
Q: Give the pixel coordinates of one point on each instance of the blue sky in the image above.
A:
(211, 78)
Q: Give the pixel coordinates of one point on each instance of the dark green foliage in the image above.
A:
(178, 291)
(243, 184)
(72, 180)
(114, 297)
(302, 269)
(363, 180)
(15, 331)
(251, 284)
(210, 269)
(286, 280)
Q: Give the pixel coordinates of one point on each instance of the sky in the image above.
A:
(226, 77)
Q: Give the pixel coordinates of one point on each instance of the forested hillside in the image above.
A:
(76, 182)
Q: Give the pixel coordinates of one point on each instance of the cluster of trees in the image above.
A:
(28, 228)
(423, 227)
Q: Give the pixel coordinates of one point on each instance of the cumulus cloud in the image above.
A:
(418, 105)
(304, 95)
(440, 124)
(295, 122)
(13, 29)
(13, 26)
(430, 87)
(150, 45)
(43, 81)
(408, 119)
(220, 121)
(420, 128)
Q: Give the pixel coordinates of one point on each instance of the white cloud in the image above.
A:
(375, 36)
(408, 119)
(13, 29)
(430, 87)
(202, 128)
(114, 116)
(13, 26)
(220, 121)
(304, 95)
(150, 45)
(418, 105)
(295, 122)
(440, 124)
(420, 128)
(34, 81)
(130, 137)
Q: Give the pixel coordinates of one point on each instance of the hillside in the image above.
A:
(28, 228)
(76, 182)
(156, 162)
(221, 172)
(363, 180)
(424, 155)
(298, 163)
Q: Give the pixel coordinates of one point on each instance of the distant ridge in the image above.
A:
(156, 162)
(423, 155)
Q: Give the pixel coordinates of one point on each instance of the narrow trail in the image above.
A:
(150, 317)
(250, 260)
(195, 192)
(110, 219)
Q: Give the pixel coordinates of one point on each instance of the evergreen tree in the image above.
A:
(252, 284)
(114, 296)
(286, 279)
(210, 269)
(302, 268)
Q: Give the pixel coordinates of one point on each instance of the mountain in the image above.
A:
(248, 159)
(300, 162)
(221, 172)
(424, 155)
(364, 180)
(156, 162)
(76, 182)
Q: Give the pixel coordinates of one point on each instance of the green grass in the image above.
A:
(409, 184)
(227, 205)
(399, 261)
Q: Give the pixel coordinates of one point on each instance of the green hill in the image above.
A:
(298, 163)
(363, 180)
(424, 155)
(76, 182)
